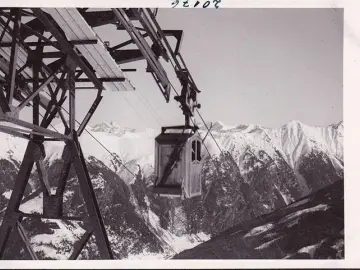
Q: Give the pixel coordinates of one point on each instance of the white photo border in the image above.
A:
(351, 98)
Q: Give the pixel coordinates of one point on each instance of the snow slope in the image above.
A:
(311, 228)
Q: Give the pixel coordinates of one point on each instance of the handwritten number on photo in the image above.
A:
(216, 3)
(206, 4)
(175, 3)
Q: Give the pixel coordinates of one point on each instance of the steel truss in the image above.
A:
(58, 73)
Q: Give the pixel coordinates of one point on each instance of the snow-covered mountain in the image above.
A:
(293, 141)
(298, 231)
(260, 169)
(290, 142)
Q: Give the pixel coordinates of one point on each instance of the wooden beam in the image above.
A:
(66, 46)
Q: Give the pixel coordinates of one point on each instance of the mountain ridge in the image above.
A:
(257, 171)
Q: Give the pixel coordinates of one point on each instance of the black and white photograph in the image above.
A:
(191, 132)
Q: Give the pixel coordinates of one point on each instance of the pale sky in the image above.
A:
(253, 66)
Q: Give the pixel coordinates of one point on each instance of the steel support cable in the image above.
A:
(143, 120)
(142, 101)
(209, 131)
(100, 143)
(95, 140)
(135, 176)
(91, 134)
(259, 217)
(202, 119)
(138, 114)
(261, 252)
(202, 139)
(221, 151)
(148, 108)
(192, 234)
(104, 147)
(89, 164)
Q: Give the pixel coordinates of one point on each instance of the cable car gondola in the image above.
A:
(178, 162)
(178, 148)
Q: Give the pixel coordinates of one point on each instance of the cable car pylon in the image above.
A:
(46, 54)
